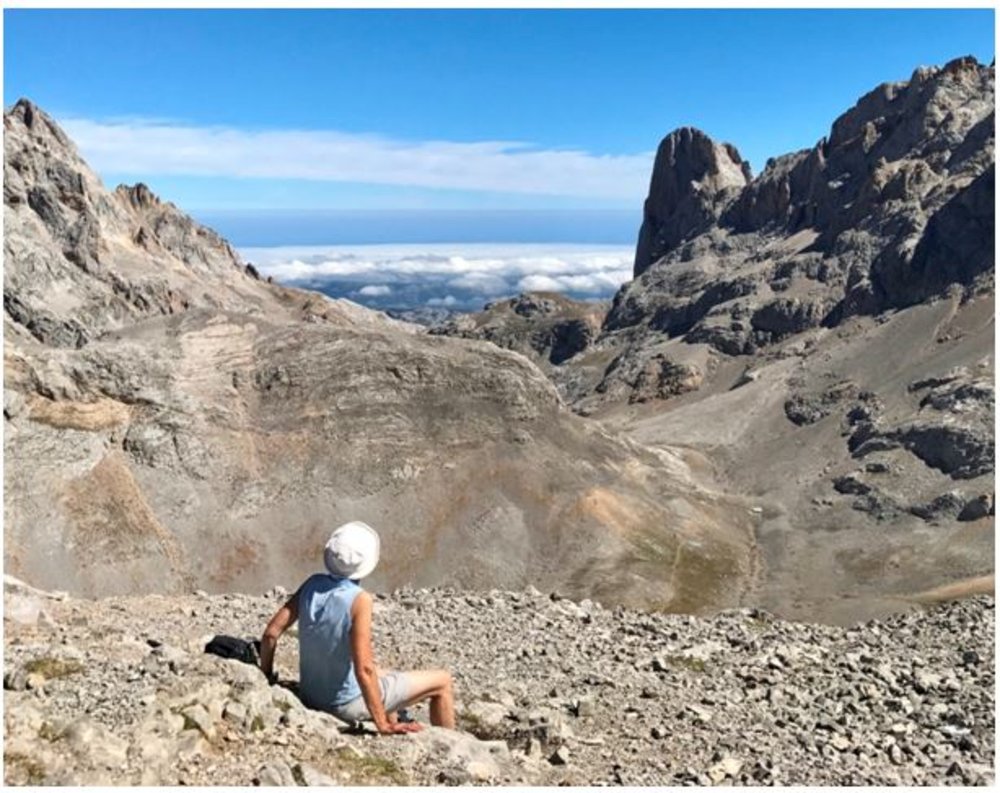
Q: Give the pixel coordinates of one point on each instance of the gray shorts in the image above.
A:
(395, 691)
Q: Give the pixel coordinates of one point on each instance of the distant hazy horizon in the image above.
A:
(460, 276)
(455, 259)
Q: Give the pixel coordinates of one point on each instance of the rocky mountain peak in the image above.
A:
(688, 159)
(691, 174)
(27, 115)
(912, 141)
(138, 195)
(925, 116)
(81, 260)
(893, 207)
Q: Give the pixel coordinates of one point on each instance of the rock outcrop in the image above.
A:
(544, 326)
(549, 691)
(547, 327)
(951, 431)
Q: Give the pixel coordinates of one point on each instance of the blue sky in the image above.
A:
(266, 109)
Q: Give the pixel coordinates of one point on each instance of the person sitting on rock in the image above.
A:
(337, 670)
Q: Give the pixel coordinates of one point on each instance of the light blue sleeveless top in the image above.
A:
(326, 671)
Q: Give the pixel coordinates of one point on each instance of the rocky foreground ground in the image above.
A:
(549, 691)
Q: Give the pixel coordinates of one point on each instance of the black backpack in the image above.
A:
(231, 647)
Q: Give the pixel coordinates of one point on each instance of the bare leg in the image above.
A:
(437, 685)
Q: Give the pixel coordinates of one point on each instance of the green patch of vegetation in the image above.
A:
(472, 724)
(52, 668)
(33, 770)
(49, 732)
(686, 662)
(757, 624)
(370, 770)
(694, 576)
(257, 725)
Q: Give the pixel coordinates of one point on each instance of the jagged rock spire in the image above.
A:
(691, 173)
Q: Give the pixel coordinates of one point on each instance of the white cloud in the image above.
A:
(539, 283)
(449, 275)
(156, 147)
(606, 281)
(487, 283)
(375, 290)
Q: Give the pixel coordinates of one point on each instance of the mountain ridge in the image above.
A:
(174, 422)
(799, 319)
(718, 356)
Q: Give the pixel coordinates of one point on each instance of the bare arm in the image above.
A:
(365, 668)
(283, 619)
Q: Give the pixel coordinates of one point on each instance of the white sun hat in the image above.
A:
(352, 550)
